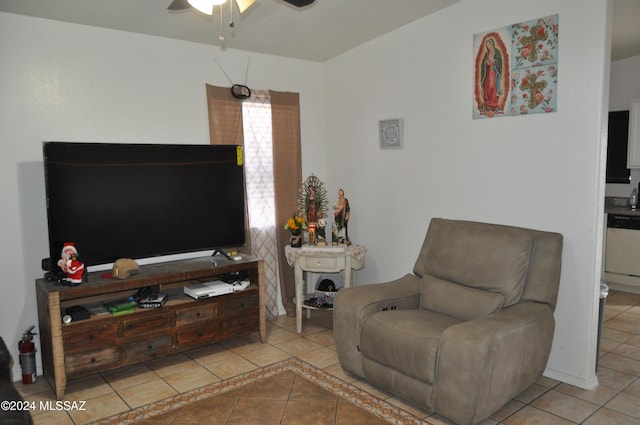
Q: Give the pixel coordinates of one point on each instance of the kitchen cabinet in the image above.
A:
(617, 147)
(633, 150)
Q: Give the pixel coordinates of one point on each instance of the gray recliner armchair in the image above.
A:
(468, 330)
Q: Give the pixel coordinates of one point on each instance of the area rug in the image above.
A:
(343, 390)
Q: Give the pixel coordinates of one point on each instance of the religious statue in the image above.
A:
(312, 205)
(341, 219)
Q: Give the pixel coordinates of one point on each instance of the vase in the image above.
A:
(296, 239)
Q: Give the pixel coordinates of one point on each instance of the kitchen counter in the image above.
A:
(619, 205)
(622, 211)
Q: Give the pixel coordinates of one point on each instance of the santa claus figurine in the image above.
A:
(70, 264)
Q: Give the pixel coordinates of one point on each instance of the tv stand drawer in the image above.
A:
(197, 314)
(240, 305)
(81, 338)
(190, 337)
(240, 325)
(92, 361)
(140, 351)
(146, 323)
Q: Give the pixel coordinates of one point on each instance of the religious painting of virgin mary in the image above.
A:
(515, 69)
(492, 75)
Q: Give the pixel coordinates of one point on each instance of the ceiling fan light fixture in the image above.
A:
(244, 4)
(206, 6)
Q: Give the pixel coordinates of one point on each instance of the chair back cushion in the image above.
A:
(481, 256)
(470, 303)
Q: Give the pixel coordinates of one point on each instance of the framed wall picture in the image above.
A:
(516, 69)
(391, 133)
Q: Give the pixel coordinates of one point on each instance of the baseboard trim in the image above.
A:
(577, 381)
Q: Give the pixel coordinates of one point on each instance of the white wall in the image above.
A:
(68, 82)
(540, 171)
(624, 88)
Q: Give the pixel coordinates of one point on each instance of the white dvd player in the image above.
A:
(208, 289)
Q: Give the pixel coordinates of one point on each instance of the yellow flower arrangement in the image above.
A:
(295, 224)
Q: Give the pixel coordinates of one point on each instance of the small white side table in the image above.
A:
(322, 260)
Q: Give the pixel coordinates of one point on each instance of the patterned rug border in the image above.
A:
(361, 398)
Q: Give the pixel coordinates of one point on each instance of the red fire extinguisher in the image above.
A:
(28, 356)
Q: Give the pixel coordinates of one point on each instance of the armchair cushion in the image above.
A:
(482, 256)
(417, 331)
(458, 301)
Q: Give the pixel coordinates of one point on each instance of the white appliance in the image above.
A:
(208, 289)
(622, 255)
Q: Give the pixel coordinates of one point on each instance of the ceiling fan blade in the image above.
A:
(179, 5)
(299, 3)
(244, 4)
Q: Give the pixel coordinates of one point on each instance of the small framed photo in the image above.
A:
(391, 133)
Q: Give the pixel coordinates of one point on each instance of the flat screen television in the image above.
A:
(141, 201)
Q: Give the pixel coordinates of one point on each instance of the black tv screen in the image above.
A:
(139, 201)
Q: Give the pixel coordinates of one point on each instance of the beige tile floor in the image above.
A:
(616, 400)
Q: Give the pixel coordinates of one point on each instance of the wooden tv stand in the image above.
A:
(104, 341)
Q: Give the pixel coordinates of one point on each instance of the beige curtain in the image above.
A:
(226, 127)
(287, 174)
(225, 117)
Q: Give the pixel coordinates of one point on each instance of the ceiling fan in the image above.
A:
(206, 7)
(242, 4)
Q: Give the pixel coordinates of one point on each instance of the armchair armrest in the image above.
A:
(353, 305)
(484, 363)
